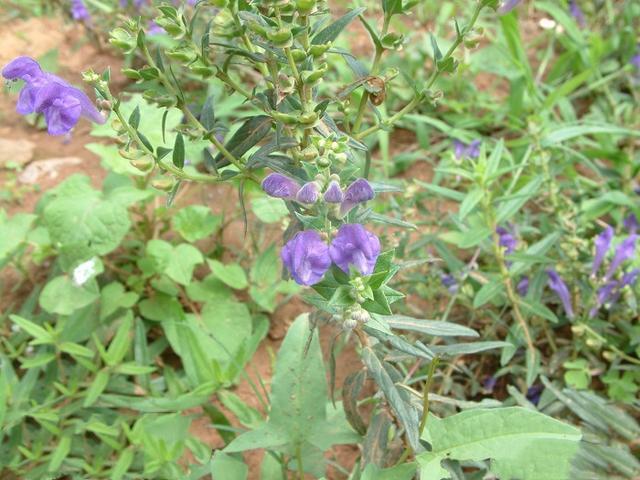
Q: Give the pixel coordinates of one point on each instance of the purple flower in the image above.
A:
(79, 11)
(576, 13)
(306, 257)
(523, 286)
(625, 251)
(635, 61)
(602, 243)
(353, 245)
(631, 224)
(309, 193)
(280, 186)
(506, 239)
(557, 285)
(154, 29)
(333, 194)
(61, 104)
(489, 383)
(630, 278)
(507, 6)
(358, 192)
(533, 393)
(461, 150)
(449, 282)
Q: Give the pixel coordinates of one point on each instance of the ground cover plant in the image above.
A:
(370, 240)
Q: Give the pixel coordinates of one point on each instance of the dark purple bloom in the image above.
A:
(630, 278)
(333, 194)
(309, 193)
(358, 192)
(602, 243)
(507, 6)
(557, 285)
(280, 186)
(631, 224)
(306, 257)
(523, 286)
(353, 245)
(449, 282)
(462, 150)
(61, 104)
(533, 393)
(506, 239)
(79, 11)
(576, 13)
(625, 251)
(489, 383)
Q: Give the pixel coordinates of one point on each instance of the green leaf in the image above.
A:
(228, 467)
(125, 459)
(405, 411)
(231, 274)
(182, 262)
(36, 331)
(178, 151)
(195, 222)
(404, 471)
(521, 443)
(62, 296)
(247, 136)
(121, 341)
(97, 387)
(76, 350)
(113, 296)
(487, 293)
(330, 33)
(268, 209)
(467, 348)
(13, 232)
(509, 206)
(59, 454)
(429, 327)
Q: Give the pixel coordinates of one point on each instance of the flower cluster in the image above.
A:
(306, 256)
(609, 288)
(281, 186)
(61, 104)
(79, 11)
(462, 150)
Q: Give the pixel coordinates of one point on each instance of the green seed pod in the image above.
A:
(323, 162)
(131, 73)
(392, 41)
(310, 153)
(285, 118)
(201, 69)
(308, 118)
(319, 50)
(164, 184)
(122, 39)
(282, 37)
(258, 29)
(130, 153)
(305, 7)
(298, 55)
(313, 77)
(144, 164)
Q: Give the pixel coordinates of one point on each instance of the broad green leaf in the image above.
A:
(225, 466)
(268, 209)
(113, 296)
(231, 274)
(13, 232)
(111, 159)
(521, 443)
(182, 262)
(195, 222)
(229, 324)
(62, 296)
(82, 221)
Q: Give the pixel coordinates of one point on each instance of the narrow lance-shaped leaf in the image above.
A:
(178, 151)
(247, 136)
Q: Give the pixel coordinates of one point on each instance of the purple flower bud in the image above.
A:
(557, 285)
(79, 11)
(602, 243)
(280, 186)
(354, 245)
(309, 193)
(576, 13)
(630, 278)
(605, 293)
(61, 104)
(358, 192)
(635, 61)
(506, 239)
(154, 29)
(631, 224)
(523, 286)
(306, 257)
(449, 282)
(507, 6)
(625, 251)
(333, 193)
(489, 383)
(462, 150)
(533, 393)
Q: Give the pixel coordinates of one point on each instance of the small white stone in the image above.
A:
(83, 272)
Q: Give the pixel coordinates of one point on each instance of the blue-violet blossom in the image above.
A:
(333, 194)
(61, 104)
(280, 186)
(508, 5)
(359, 191)
(309, 193)
(354, 245)
(506, 240)
(79, 10)
(557, 285)
(625, 251)
(602, 243)
(461, 150)
(306, 257)
(576, 13)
